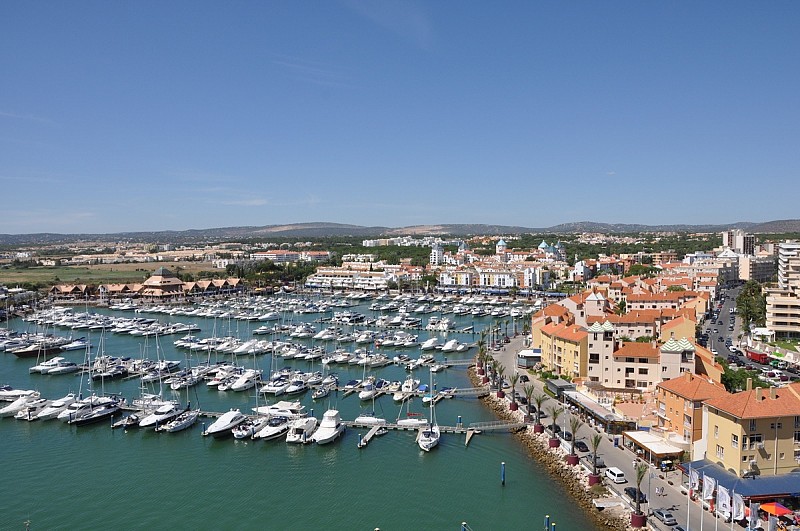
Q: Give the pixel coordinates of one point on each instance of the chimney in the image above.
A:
(758, 393)
(749, 384)
(688, 376)
(772, 393)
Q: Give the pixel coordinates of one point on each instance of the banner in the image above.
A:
(723, 501)
(753, 520)
(738, 507)
(694, 479)
(709, 484)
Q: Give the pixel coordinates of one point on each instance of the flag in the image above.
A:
(694, 479)
(738, 507)
(723, 501)
(754, 514)
(708, 487)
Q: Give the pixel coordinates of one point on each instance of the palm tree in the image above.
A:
(528, 389)
(482, 349)
(641, 470)
(574, 425)
(500, 373)
(554, 412)
(538, 399)
(594, 442)
(513, 380)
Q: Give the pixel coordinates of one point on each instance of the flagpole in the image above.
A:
(702, 499)
(689, 497)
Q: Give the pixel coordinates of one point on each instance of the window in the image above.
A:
(772, 425)
(643, 360)
(628, 360)
(781, 455)
(716, 432)
(797, 422)
(664, 368)
(642, 371)
(797, 437)
(594, 358)
(752, 424)
(755, 441)
(720, 452)
(745, 458)
(734, 441)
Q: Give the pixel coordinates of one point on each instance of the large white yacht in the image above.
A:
(225, 423)
(330, 428)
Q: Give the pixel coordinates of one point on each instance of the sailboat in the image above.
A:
(429, 436)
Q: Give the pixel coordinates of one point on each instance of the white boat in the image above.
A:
(428, 436)
(296, 386)
(247, 380)
(431, 343)
(369, 420)
(62, 367)
(368, 392)
(224, 424)
(284, 408)
(330, 428)
(451, 346)
(161, 415)
(276, 427)
(81, 407)
(275, 387)
(32, 409)
(56, 406)
(8, 394)
(181, 422)
(18, 404)
(250, 427)
(301, 430)
(45, 366)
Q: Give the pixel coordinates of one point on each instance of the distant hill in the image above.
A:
(324, 229)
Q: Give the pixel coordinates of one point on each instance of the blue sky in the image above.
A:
(128, 116)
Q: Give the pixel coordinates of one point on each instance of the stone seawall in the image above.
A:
(573, 478)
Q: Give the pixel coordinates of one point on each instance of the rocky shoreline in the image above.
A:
(573, 478)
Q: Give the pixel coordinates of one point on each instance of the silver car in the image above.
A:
(665, 516)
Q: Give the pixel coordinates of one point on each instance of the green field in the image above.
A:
(68, 275)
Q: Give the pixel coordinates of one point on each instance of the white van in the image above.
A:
(616, 475)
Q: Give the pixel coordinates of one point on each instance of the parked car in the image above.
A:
(567, 436)
(630, 492)
(665, 516)
(600, 462)
(524, 378)
(581, 446)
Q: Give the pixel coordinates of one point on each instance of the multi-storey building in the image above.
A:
(680, 404)
(783, 302)
(754, 432)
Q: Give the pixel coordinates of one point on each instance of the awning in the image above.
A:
(652, 443)
(784, 485)
(593, 407)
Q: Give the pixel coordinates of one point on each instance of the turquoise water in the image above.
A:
(62, 477)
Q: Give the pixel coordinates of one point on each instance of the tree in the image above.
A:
(594, 443)
(538, 399)
(528, 390)
(514, 378)
(574, 425)
(641, 470)
(554, 412)
(620, 308)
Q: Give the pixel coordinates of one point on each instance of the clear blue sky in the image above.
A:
(140, 115)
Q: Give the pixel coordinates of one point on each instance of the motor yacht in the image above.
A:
(301, 430)
(330, 428)
(225, 423)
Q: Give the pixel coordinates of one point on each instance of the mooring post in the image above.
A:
(503, 473)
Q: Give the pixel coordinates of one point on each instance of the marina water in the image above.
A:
(58, 476)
